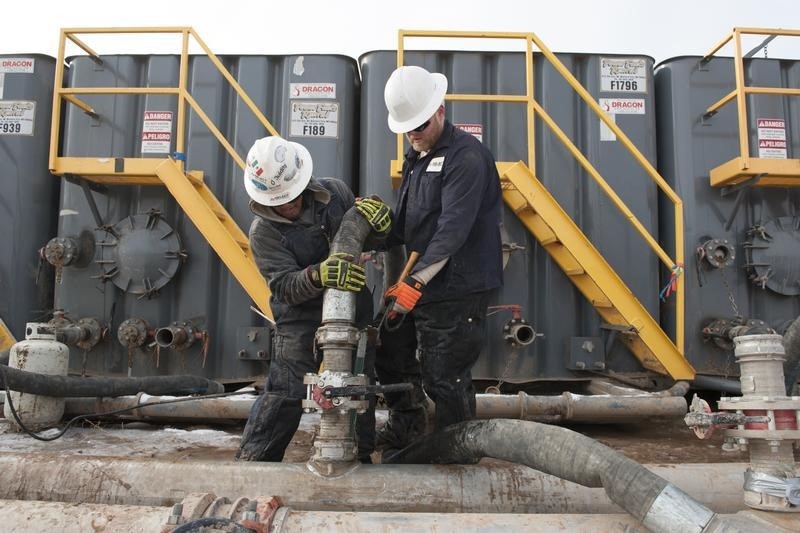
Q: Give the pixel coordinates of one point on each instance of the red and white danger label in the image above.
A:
(476, 130)
(772, 138)
(156, 132)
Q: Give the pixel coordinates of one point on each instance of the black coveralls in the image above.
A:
(283, 250)
(448, 207)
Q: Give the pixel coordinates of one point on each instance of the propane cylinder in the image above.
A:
(41, 353)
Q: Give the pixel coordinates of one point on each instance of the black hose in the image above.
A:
(77, 387)
(791, 344)
(716, 383)
(550, 449)
(352, 233)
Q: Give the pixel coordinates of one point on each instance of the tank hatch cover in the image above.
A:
(140, 254)
(774, 255)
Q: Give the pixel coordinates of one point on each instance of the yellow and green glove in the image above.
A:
(339, 272)
(377, 213)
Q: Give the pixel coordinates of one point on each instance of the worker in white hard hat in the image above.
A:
(448, 210)
(297, 217)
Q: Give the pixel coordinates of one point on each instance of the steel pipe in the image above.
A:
(566, 407)
(44, 517)
(579, 408)
(495, 488)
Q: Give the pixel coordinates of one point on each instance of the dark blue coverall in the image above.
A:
(449, 206)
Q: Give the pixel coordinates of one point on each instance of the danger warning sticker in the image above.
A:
(157, 132)
(476, 130)
(772, 138)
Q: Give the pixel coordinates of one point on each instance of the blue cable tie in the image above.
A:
(179, 156)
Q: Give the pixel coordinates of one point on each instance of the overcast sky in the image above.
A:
(661, 29)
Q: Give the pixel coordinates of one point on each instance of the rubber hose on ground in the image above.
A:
(77, 387)
(568, 455)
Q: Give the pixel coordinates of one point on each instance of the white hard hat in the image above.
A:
(277, 171)
(412, 96)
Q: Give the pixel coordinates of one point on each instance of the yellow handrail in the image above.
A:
(741, 90)
(184, 97)
(533, 108)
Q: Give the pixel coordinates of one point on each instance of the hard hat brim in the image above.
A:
(427, 112)
(298, 186)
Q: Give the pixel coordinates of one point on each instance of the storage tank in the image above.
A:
(151, 268)
(742, 243)
(28, 192)
(549, 300)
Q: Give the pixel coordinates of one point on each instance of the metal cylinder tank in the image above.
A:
(151, 263)
(28, 193)
(40, 353)
(742, 243)
(570, 326)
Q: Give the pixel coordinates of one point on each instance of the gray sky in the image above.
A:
(660, 29)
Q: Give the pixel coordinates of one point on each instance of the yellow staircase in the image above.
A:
(187, 187)
(590, 273)
(557, 232)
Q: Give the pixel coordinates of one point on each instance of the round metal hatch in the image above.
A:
(140, 254)
(774, 250)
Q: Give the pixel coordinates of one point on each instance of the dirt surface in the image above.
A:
(661, 441)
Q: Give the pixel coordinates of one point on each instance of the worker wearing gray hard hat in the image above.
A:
(448, 210)
(297, 217)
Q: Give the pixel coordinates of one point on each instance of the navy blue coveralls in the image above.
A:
(283, 250)
(448, 207)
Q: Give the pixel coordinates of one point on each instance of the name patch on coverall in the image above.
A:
(435, 165)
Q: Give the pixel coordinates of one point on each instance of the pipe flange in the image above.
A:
(92, 332)
(61, 251)
(133, 332)
(518, 332)
(177, 336)
(337, 335)
(719, 253)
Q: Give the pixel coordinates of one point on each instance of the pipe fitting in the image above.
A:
(519, 333)
(134, 332)
(178, 336)
(85, 334)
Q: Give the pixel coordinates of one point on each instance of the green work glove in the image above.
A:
(377, 214)
(339, 272)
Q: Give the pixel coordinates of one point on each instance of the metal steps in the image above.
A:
(590, 273)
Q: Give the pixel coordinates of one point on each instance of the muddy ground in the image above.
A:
(658, 441)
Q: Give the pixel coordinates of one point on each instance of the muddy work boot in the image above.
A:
(401, 428)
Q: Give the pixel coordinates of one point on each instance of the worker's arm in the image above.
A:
(289, 282)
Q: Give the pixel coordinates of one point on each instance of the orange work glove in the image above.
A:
(406, 294)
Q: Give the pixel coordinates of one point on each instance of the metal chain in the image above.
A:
(730, 293)
(511, 358)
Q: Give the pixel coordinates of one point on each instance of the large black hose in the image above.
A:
(563, 453)
(77, 387)
(353, 231)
